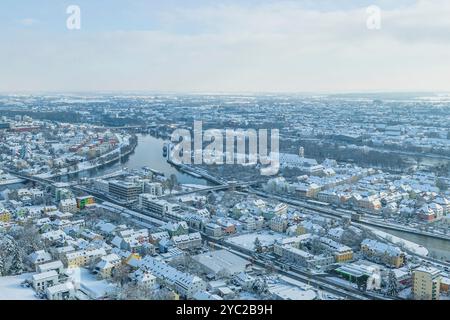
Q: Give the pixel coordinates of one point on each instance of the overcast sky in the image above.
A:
(225, 46)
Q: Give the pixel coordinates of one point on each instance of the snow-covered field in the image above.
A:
(195, 186)
(10, 288)
(247, 241)
(91, 286)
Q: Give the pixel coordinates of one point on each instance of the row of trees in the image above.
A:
(15, 248)
(170, 183)
(10, 257)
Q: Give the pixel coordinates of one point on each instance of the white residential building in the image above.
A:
(188, 241)
(64, 291)
(42, 281)
(185, 284)
(68, 205)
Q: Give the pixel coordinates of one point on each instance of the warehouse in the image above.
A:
(218, 261)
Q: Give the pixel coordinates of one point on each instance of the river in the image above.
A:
(148, 153)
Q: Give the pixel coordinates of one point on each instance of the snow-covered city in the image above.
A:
(225, 158)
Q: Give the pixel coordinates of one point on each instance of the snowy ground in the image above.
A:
(11, 180)
(405, 293)
(408, 245)
(289, 292)
(342, 282)
(90, 285)
(247, 241)
(195, 186)
(10, 288)
(248, 296)
(83, 166)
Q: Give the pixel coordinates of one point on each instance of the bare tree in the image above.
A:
(28, 238)
(120, 274)
(172, 182)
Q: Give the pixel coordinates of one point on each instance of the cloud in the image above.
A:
(270, 46)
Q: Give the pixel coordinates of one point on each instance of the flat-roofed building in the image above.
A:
(185, 284)
(218, 261)
(426, 283)
(42, 281)
(153, 188)
(360, 273)
(159, 207)
(382, 252)
(63, 291)
(125, 190)
(68, 205)
(54, 265)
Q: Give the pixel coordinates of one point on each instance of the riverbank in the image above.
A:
(84, 166)
(438, 249)
(149, 153)
(408, 245)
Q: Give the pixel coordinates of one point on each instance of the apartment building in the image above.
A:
(153, 188)
(64, 291)
(188, 241)
(68, 205)
(42, 281)
(157, 206)
(125, 190)
(342, 253)
(304, 258)
(83, 202)
(426, 283)
(384, 253)
(83, 257)
(183, 283)
(278, 224)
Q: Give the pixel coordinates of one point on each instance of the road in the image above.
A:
(208, 189)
